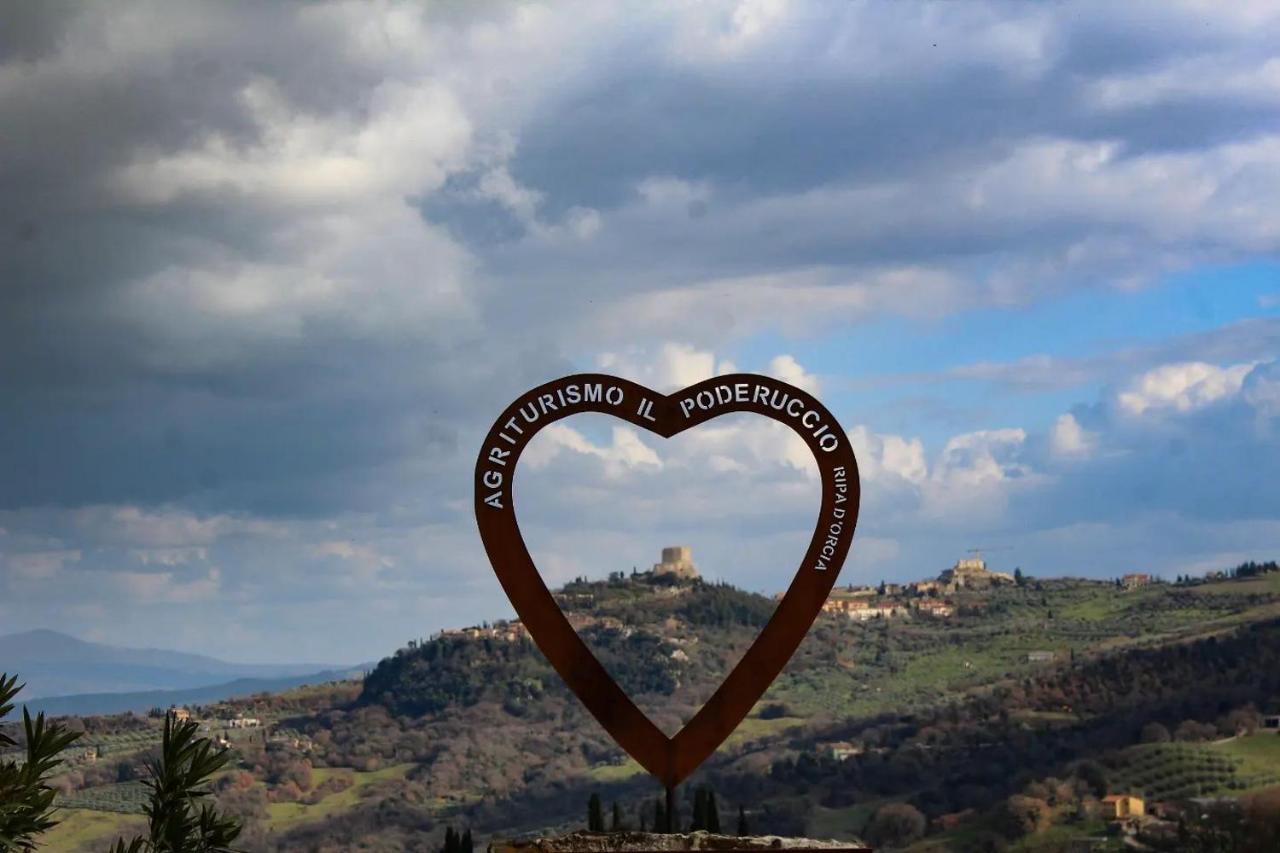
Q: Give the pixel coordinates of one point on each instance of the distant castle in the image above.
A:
(676, 560)
(972, 573)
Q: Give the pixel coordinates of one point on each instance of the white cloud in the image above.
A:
(975, 476)
(673, 366)
(1181, 387)
(413, 135)
(162, 528)
(170, 556)
(888, 455)
(166, 588)
(1068, 439)
(1262, 389)
(787, 369)
(41, 565)
(624, 453)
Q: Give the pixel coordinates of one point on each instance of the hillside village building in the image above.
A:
(1135, 580)
(862, 609)
(934, 607)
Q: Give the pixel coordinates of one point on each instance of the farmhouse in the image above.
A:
(180, 715)
(1040, 657)
(242, 723)
(842, 750)
(1122, 806)
(1135, 580)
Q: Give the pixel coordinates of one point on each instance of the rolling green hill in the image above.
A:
(946, 714)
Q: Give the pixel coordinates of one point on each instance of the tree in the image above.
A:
(451, 844)
(883, 589)
(465, 844)
(1190, 730)
(713, 813)
(1094, 775)
(26, 800)
(895, 825)
(178, 780)
(699, 810)
(743, 827)
(986, 841)
(1018, 577)
(659, 817)
(1155, 733)
(1021, 815)
(595, 814)
(615, 824)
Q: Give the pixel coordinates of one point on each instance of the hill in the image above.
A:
(1042, 691)
(56, 664)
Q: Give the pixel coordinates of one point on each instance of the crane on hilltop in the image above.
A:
(979, 551)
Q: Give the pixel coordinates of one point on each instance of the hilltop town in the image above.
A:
(675, 572)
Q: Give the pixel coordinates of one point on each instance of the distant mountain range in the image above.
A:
(66, 675)
(90, 704)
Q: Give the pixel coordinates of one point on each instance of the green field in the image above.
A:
(847, 823)
(1259, 757)
(286, 815)
(82, 829)
(616, 772)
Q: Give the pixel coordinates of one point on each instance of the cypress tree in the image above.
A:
(615, 825)
(659, 817)
(451, 841)
(713, 813)
(743, 828)
(466, 845)
(595, 814)
(699, 809)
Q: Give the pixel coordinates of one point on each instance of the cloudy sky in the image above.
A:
(269, 272)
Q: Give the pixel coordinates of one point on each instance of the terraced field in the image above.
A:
(1169, 771)
(123, 797)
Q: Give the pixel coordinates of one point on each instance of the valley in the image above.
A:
(1058, 691)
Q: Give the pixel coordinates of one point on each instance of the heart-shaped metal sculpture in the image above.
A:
(670, 759)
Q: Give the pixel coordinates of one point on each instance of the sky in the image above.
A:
(270, 271)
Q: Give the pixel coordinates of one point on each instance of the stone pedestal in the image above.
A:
(653, 842)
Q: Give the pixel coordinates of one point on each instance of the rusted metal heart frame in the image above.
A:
(672, 759)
